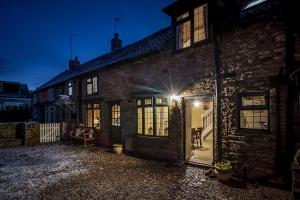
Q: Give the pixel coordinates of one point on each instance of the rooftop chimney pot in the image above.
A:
(116, 43)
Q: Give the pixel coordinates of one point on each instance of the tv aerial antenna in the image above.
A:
(71, 37)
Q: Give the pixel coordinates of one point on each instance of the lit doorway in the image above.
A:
(199, 122)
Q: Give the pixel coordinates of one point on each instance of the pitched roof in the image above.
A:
(150, 44)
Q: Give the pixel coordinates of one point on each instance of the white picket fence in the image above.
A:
(49, 132)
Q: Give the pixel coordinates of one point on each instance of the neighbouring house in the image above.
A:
(219, 83)
(15, 102)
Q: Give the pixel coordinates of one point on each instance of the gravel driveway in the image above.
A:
(67, 172)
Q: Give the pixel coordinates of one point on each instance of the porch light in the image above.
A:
(175, 97)
(197, 104)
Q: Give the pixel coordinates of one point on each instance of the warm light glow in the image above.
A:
(175, 97)
(197, 104)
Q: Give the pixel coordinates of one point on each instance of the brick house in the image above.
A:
(15, 102)
(214, 85)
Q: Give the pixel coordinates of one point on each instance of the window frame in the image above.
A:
(240, 108)
(92, 108)
(154, 106)
(191, 18)
(70, 88)
(87, 83)
(112, 116)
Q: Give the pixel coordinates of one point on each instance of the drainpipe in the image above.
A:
(217, 58)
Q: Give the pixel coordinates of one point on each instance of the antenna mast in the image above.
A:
(117, 19)
(71, 43)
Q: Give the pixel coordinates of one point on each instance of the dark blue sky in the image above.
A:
(34, 43)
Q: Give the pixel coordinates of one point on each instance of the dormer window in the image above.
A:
(191, 27)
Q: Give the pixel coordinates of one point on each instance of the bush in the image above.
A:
(223, 167)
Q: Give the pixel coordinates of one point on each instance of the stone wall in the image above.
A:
(7, 130)
(252, 54)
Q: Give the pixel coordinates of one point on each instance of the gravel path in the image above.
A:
(68, 172)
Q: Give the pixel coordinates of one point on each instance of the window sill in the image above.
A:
(152, 136)
(253, 131)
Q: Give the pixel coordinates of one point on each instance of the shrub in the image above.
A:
(223, 167)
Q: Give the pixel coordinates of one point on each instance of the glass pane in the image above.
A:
(89, 88)
(199, 23)
(162, 121)
(148, 121)
(148, 101)
(89, 80)
(183, 16)
(96, 106)
(95, 85)
(183, 35)
(115, 115)
(97, 118)
(140, 120)
(139, 102)
(254, 119)
(89, 118)
(254, 101)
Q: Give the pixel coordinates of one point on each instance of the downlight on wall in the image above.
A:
(197, 104)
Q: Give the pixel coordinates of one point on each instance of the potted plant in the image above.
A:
(223, 171)
(118, 148)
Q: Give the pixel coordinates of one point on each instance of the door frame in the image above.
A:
(110, 104)
(206, 96)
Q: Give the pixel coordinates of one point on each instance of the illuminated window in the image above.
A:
(254, 111)
(92, 115)
(184, 35)
(183, 16)
(92, 85)
(152, 116)
(70, 89)
(162, 114)
(115, 115)
(200, 23)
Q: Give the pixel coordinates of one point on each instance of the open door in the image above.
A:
(115, 129)
(199, 130)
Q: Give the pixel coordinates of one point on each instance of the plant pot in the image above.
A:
(223, 177)
(118, 148)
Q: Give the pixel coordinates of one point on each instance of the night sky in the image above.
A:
(34, 34)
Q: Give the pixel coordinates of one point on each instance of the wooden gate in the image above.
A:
(49, 132)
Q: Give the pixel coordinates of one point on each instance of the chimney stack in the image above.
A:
(116, 43)
(74, 63)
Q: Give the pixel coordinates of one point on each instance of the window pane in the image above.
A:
(148, 121)
(162, 121)
(254, 119)
(70, 91)
(200, 23)
(97, 118)
(183, 35)
(140, 120)
(89, 118)
(254, 101)
(95, 85)
(89, 88)
(115, 120)
(183, 16)
(148, 101)
(139, 102)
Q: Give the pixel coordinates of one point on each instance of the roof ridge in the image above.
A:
(151, 43)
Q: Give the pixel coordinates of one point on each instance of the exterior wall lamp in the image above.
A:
(174, 100)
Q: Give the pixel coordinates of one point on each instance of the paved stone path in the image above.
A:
(67, 172)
